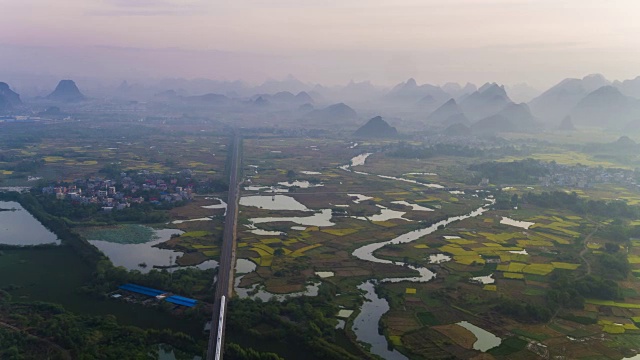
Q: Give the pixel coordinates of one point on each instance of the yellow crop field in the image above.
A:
(301, 251)
(501, 237)
(396, 340)
(262, 247)
(54, 158)
(612, 303)
(555, 238)
(633, 259)
(340, 232)
(290, 242)
(266, 260)
(613, 329)
(527, 243)
(200, 233)
(513, 267)
(538, 269)
(495, 250)
(198, 246)
(468, 259)
(457, 250)
(211, 253)
(564, 265)
(421, 246)
(556, 227)
(490, 287)
(410, 291)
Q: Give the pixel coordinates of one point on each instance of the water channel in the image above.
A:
(19, 227)
(365, 326)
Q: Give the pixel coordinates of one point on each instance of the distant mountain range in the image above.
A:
(591, 101)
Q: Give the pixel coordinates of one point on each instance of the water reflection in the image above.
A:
(19, 227)
(365, 325)
(131, 256)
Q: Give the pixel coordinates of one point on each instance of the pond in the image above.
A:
(321, 219)
(221, 205)
(486, 340)
(439, 258)
(360, 159)
(384, 215)
(245, 266)
(257, 291)
(274, 202)
(19, 227)
(521, 224)
(324, 274)
(359, 198)
(131, 256)
(365, 325)
(301, 184)
(487, 279)
(265, 188)
(414, 207)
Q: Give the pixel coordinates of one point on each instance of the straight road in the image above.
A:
(224, 285)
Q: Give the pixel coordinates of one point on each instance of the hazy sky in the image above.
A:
(328, 41)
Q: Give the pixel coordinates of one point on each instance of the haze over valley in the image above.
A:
(319, 180)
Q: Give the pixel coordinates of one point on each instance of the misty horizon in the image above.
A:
(509, 42)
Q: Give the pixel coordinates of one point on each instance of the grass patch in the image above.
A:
(531, 335)
(120, 234)
(612, 303)
(509, 346)
(584, 320)
(427, 318)
(200, 233)
(340, 232)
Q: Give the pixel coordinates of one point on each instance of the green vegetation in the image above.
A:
(517, 172)
(121, 234)
(42, 330)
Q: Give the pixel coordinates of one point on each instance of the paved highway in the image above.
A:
(224, 285)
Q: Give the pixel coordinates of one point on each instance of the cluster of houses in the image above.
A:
(118, 195)
(585, 177)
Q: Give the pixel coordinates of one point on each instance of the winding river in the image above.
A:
(365, 325)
